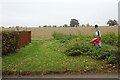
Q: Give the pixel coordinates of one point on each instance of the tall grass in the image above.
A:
(80, 45)
(110, 38)
(62, 37)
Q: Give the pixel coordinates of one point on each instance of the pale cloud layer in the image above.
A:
(56, 12)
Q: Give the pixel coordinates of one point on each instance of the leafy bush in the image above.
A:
(9, 42)
(110, 38)
(113, 58)
(76, 49)
(98, 52)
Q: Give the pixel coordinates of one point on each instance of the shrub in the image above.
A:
(76, 49)
(73, 51)
(113, 58)
(110, 38)
(9, 42)
(100, 54)
(110, 55)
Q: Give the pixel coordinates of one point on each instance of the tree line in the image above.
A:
(75, 23)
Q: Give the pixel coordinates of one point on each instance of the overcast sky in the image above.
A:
(56, 12)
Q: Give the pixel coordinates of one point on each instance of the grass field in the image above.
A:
(39, 57)
(48, 56)
(46, 33)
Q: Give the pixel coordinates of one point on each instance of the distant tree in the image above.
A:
(65, 25)
(74, 23)
(112, 22)
(39, 26)
(54, 26)
(87, 25)
(83, 25)
(45, 26)
(17, 28)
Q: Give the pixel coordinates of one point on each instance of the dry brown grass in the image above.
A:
(46, 33)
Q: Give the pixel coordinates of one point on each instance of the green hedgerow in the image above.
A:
(9, 42)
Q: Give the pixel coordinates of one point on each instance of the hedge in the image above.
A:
(9, 42)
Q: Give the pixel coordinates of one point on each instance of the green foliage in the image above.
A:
(106, 53)
(81, 46)
(77, 47)
(62, 37)
(74, 23)
(110, 38)
(99, 53)
(112, 59)
(58, 36)
(76, 50)
(112, 22)
(65, 25)
(38, 58)
(9, 42)
(31, 58)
